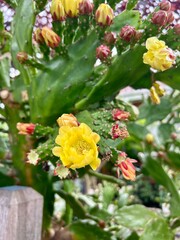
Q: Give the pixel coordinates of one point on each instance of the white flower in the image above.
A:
(61, 171)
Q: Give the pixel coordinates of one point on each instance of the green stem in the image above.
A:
(106, 177)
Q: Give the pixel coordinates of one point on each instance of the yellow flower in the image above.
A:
(77, 147)
(71, 7)
(57, 10)
(158, 56)
(104, 15)
(154, 96)
(67, 120)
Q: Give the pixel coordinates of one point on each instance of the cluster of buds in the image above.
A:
(126, 166)
(104, 15)
(103, 53)
(164, 16)
(156, 91)
(119, 132)
(48, 36)
(25, 128)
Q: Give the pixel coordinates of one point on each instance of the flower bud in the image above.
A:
(120, 115)
(165, 5)
(25, 128)
(173, 136)
(85, 7)
(104, 15)
(57, 11)
(110, 38)
(177, 29)
(127, 33)
(119, 132)
(51, 38)
(103, 52)
(160, 18)
(38, 36)
(71, 7)
(170, 17)
(154, 96)
(22, 57)
(160, 91)
(67, 120)
(149, 138)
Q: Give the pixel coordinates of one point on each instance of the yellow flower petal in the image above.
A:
(56, 151)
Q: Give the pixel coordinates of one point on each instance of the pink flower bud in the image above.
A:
(160, 18)
(103, 52)
(120, 115)
(25, 128)
(127, 33)
(165, 5)
(119, 132)
(177, 29)
(110, 38)
(170, 17)
(22, 57)
(85, 7)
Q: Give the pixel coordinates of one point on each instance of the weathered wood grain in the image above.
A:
(21, 210)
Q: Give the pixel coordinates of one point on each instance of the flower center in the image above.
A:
(82, 147)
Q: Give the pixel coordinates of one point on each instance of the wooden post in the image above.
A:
(21, 210)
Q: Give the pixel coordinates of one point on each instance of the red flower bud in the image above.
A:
(177, 29)
(160, 18)
(103, 52)
(127, 33)
(110, 38)
(119, 132)
(170, 17)
(22, 57)
(120, 115)
(25, 128)
(85, 7)
(165, 5)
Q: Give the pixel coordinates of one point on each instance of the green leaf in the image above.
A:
(137, 131)
(64, 82)
(108, 192)
(174, 159)
(127, 17)
(154, 169)
(131, 4)
(84, 231)
(170, 77)
(152, 113)
(134, 216)
(157, 229)
(4, 72)
(6, 181)
(1, 21)
(100, 213)
(22, 27)
(164, 132)
(85, 117)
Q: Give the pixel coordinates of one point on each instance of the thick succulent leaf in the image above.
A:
(125, 70)
(131, 4)
(127, 17)
(55, 91)
(4, 72)
(22, 27)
